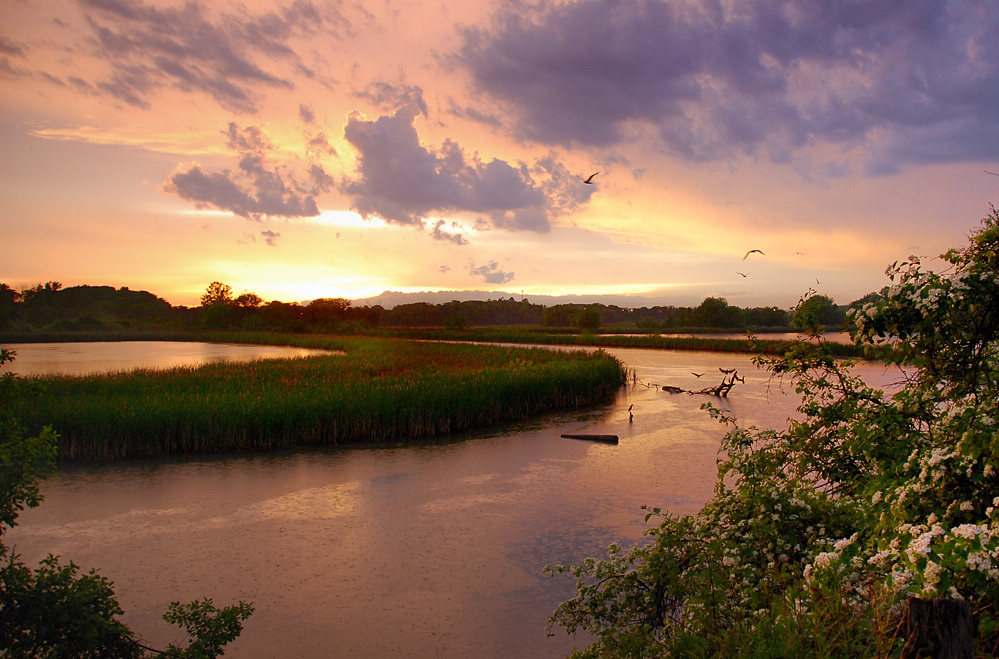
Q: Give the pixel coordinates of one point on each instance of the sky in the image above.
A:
(310, 148)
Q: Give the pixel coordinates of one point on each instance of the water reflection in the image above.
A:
(101, 357)
(430, 549)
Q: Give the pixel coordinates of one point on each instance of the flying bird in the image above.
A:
(589, 180)
(726, 371)
(696, 375)
(750, 252)
(741, 273)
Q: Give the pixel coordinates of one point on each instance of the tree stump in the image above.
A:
(944, 626)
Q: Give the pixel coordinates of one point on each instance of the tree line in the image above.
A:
(51, 307)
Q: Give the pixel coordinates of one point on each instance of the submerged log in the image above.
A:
(606, 439)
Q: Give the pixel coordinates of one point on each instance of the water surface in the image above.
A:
(101, 357)
(411, 551)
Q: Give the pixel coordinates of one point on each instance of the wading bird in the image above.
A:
(750, 252)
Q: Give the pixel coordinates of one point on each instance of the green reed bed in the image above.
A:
(378, 391)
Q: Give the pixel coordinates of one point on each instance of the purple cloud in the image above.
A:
(306, 114)
(402, 181)
(491, 273)
(257, 188)
(761, 77)
(149, 48)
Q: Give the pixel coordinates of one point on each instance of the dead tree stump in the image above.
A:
(945, 627)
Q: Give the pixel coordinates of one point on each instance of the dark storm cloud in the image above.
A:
(757, 77)
(404, 182)
(257, 188)
(491, 273)
(149, 48)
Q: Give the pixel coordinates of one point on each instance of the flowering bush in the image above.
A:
(819, 535)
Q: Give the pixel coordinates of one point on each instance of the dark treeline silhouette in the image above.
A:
(50, 307)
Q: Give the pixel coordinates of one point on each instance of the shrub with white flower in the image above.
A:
(819, 535)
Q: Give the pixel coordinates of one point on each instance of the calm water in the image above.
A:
(86, 358)
(417, 551)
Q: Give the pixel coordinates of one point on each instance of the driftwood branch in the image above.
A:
(728, 381)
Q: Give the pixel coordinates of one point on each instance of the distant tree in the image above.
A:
(560, 315)
(41, 291)
(217, 293)
(819, 311)
(589, 318)
(9, 299)
(282, 316)
(248, 300)
(325, 311)
(717, 312)
(766, 317)
(457, 321)
(8, 296)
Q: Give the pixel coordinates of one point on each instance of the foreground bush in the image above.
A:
(822, 538)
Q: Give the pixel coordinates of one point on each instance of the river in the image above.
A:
(434, 549)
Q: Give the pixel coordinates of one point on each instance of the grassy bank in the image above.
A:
(381, 390)
(527, 336)
(650, 341)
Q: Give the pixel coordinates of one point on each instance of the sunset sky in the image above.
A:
(340, 149)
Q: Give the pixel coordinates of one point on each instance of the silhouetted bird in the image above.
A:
(696, 375)
(589, 179)
(726, 371)
(741, 273)
(750, 252)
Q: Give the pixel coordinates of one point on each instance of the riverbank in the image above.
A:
(736, 342)
(378, 391)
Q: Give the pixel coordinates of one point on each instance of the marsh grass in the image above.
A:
(378, 390)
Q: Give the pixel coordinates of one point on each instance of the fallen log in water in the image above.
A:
(606, 439)
(728, 381)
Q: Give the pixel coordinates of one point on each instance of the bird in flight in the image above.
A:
(589, 179)
(741, 273)
(696, 375)
(750, 252)
(726, 371)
